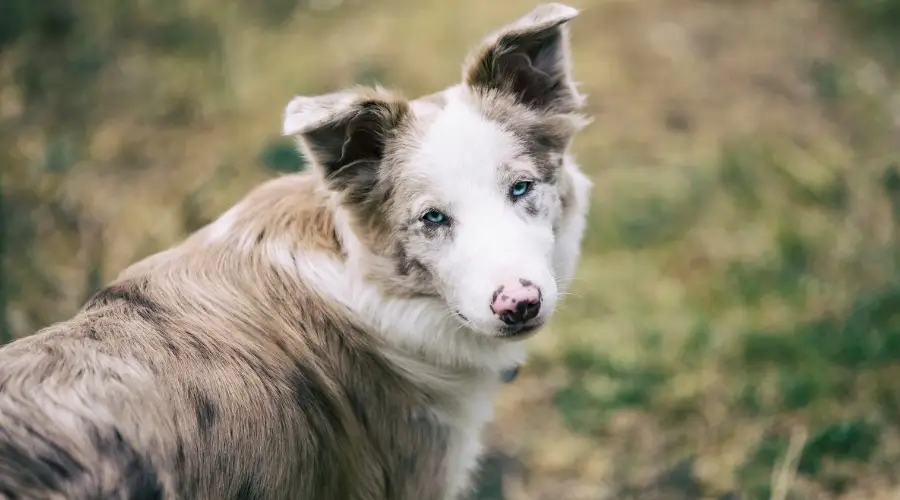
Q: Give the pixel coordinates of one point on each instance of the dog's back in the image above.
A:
(132, 399)
(61, 433)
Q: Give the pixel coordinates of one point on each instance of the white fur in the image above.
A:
(221, 229)
(465, 444)
(304, 113)
(461, 160)
(571, 231)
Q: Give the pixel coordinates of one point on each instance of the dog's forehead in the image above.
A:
(456, 140)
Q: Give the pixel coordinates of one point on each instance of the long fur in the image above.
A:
(304, 345)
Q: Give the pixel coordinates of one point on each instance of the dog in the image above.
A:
(339, 333)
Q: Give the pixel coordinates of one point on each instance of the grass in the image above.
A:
(733, 330)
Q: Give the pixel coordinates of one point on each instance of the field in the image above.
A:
(734, 331)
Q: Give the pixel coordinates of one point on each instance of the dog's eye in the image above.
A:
(519, 189)
(435, 217)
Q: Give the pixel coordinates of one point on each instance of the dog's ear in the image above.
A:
(529, 59)
(344, 133)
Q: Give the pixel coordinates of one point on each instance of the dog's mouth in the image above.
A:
(519, 331)
(510, 332)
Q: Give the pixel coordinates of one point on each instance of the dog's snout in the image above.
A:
(516, 303)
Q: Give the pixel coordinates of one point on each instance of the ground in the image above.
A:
(733, 331)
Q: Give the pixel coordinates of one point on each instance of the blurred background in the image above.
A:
(735, 328)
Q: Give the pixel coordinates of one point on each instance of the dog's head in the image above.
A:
(459, 195)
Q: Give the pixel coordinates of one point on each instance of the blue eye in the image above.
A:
(519, 189)
(435, 217)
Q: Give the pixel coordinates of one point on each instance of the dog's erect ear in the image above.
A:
(344, 133)
(529, 59)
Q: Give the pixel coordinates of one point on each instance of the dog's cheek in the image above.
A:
(543, 206)
(414, 263)
(409, 264)
(560, 216)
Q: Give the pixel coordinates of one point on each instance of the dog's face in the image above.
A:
(459, 196)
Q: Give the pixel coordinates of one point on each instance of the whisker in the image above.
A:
(569, 281)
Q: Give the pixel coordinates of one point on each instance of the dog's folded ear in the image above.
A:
(344, 133)
(529, 59)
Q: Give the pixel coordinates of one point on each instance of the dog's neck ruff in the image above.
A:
(419, 328)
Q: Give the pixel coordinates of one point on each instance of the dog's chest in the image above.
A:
(465, 440)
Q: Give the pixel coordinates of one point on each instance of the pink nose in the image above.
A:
(516, 303)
